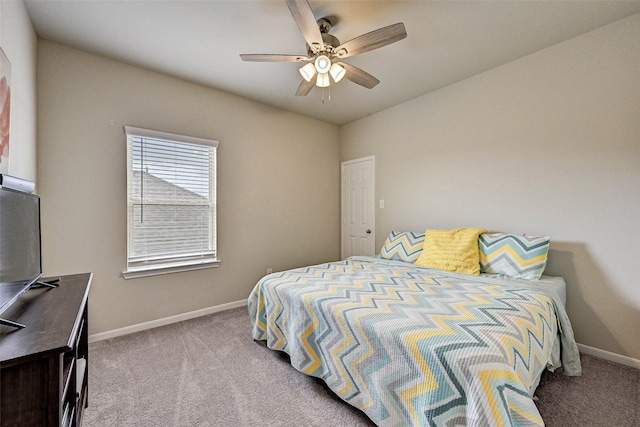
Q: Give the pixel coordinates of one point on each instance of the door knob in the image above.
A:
(368, 231)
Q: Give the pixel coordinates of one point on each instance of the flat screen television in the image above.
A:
(20, 259)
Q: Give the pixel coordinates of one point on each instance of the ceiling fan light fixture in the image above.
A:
(317, 68)
(337, 72)
(323, 64)
(323, 80)
(308, 71)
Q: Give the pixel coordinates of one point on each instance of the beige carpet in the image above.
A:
(209, 372)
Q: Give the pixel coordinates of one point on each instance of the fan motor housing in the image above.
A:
(330, 41)
(330, 44)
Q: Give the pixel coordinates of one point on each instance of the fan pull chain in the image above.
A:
(329, 98)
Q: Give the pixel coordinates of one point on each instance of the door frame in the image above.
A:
(372, 201)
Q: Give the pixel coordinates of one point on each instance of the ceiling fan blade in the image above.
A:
(305, 86)
(273, 58)
(303, 15)
(373, 40)
(359, 76)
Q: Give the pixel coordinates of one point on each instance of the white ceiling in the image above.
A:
(200, 41)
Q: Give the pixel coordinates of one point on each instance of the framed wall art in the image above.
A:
(5, 111)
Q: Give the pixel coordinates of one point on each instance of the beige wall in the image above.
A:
(278, 192)
(19, 41)
(547, 144)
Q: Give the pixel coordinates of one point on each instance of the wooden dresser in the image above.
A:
(44, 366)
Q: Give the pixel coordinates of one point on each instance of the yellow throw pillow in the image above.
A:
(452, 250)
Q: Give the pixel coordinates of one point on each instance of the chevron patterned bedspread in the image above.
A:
(415, 346)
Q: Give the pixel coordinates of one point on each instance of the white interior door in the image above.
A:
(358, 207)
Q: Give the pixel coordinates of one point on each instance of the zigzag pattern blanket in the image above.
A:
(415, 346)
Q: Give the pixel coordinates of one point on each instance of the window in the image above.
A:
(171, 203)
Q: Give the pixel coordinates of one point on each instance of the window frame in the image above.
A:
(150, 265)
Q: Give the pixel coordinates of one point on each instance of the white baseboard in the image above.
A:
(611, 357)
(165, 321)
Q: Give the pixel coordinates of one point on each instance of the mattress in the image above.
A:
(553, 284)
(415, 346)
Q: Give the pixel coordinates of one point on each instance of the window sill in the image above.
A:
(156, 270)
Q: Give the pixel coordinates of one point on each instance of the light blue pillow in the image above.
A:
(403, 246)
(512, 255)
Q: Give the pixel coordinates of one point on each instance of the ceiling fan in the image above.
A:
(324, 51)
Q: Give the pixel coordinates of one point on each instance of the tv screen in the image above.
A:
(20, 261)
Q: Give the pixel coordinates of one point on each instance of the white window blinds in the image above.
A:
(171, 192)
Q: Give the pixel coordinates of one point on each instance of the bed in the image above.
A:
(413, 345)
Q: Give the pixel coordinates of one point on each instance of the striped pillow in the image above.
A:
(512, 255)
(402, 246)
